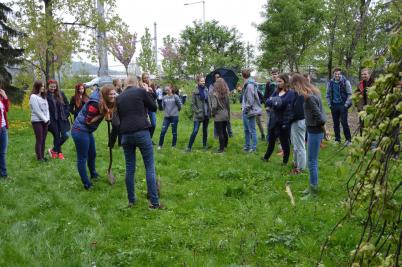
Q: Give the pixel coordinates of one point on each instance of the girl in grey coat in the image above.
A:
(220, 109)
(201, 112)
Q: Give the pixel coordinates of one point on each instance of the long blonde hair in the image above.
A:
(302, 86)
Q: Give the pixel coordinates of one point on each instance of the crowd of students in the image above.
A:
(293, 105)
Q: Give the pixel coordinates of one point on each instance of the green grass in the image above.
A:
(222, 210)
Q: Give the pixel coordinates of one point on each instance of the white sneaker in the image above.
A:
(348, 143)
(159, 147)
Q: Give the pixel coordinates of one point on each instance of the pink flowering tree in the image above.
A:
(122, 45)
(172, 62)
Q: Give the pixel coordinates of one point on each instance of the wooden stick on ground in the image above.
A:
(289, 192)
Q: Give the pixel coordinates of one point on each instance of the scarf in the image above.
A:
(201, 90)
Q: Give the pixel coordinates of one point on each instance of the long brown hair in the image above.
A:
(106, 108)
(221, 89)
(56, 93)
(285, 78)
(302, 86)
(77, 97)
(36, 89)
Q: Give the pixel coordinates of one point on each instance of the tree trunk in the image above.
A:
(331, 45)
(49, 70)
(126, 67)
(364, 5)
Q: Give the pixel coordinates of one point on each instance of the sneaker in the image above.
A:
(61, 156)
(130, 205)
(252, 150)
(159, 148)
(157, 206)
(205, 147)
(88, 187)
(188, 149)
(52, 154)
(348, 143)
(219, 151)
(296, 171)
(246, 149)
(264, 159)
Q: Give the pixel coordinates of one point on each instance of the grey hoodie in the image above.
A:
(171, 105)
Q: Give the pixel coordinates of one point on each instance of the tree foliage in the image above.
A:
(9, 55)
(55, 29)
(146, 58)
(172, 62)
(290, 29)
(206, 46)
(375, 187)
(122, 44)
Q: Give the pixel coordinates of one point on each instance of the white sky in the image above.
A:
(172, 16)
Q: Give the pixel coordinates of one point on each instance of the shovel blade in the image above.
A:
(111, 178)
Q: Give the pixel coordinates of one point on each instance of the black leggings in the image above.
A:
(284, 135)
(221, 127)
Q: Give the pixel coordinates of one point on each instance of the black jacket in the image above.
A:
(281, 110)
(132, 107)
(297, 108)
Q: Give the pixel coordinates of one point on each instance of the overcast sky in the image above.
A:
(172, 16)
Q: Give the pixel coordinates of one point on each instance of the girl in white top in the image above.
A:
(39, 118)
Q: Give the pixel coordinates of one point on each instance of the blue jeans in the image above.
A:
(249, 132)
(313, 149)
(3, 151)
(166, 122)
(130, 142)
(340, 116)
(86, 154)
(152, 118)
(195, 131)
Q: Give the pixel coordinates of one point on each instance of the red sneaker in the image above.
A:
(61, 156)
(52, 154)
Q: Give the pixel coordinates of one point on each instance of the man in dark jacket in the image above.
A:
(339, 99)
(132, 107)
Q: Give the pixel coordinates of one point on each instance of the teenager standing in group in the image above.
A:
(59, 112)
(100, 105)
(78, 100)
(4, 105)
(315, 120)
(339, 99)
(298, 134)
(40, 118)
(279, 124)
(251, 108)
(220, 109)
(366, 82)
(201, 112)
(149, 87)
(171, 104)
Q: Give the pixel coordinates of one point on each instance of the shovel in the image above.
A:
(110, 175)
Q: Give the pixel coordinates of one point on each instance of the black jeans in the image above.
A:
(284, 135)
(221, 127)
(59, 136)
(340, 115)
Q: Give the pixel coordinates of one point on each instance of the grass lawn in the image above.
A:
(226, 209)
